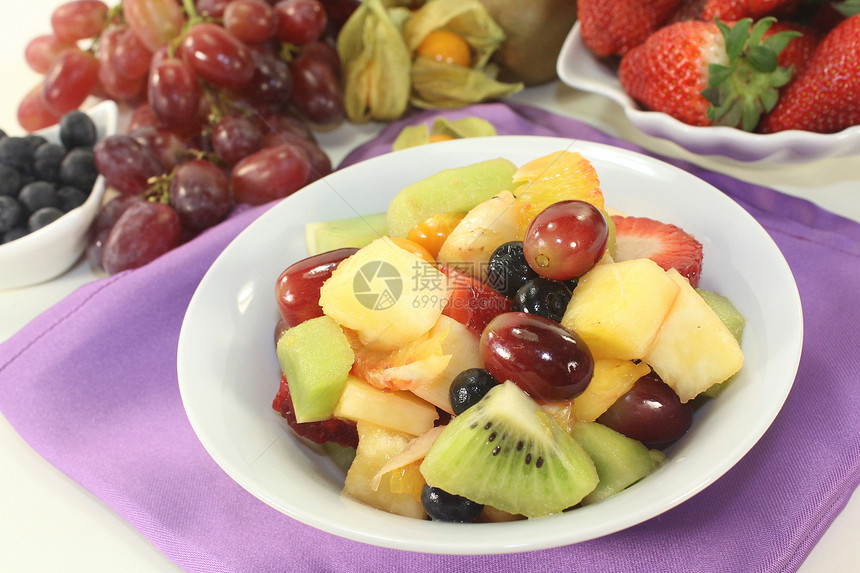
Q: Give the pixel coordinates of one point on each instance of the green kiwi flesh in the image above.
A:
(620, 461)
(505, 451)
(734, 321)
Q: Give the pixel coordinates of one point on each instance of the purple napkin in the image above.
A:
(91, 385)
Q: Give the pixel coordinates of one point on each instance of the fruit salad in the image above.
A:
(500, 344)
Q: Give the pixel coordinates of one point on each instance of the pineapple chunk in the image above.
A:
(487, 226)
(617, 308)
(401, 411)
(461, 345)
(387, 294)
(559, 176)
(398, 491)
(693, 349)
(612, 379)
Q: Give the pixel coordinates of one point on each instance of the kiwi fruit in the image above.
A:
(506, 452)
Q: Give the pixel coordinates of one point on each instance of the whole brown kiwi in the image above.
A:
(536, 31)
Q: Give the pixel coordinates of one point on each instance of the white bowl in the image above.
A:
(229, 374)
(579, 68)
(53, 249)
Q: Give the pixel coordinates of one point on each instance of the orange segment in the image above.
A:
(433, 231)
(414, 248)
(559, 176)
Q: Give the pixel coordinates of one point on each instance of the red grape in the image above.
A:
(269, 174)
(317, 94)
(320, 163)
(280, 123)
(72, 77)
(145, 231)
(116, 85)
(156, 22)
(126, 164)
(200, 193)
(79, 19)
(33, 115)
(650, 412)
(300, 21)
(543, 358)
(297, 290)
(106, 218)
(174, 94)
(272, 81)
(131, 56)
(565, 240)
(323, 52)
(212, 8)
(166, 144)
(41, 52)
(217, 56)
(235, 137)
(143, 115)
(251, 21)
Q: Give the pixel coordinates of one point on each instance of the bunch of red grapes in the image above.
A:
(223, 97)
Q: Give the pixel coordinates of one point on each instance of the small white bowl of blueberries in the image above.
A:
(50, 192)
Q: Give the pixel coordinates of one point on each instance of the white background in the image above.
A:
(51, 524)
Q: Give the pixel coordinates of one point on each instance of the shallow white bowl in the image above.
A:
(579, 68)
(228, 372)
(53, 249)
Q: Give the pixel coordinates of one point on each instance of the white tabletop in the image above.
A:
(52, 524)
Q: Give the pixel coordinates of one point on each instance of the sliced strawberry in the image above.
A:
(473, 303)
(332, 430)
(667, 245)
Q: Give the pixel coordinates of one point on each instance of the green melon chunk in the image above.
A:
(454, 190)
(316, 358)
(322, 236)
(620, 461)
(506, 452)
(734, 321)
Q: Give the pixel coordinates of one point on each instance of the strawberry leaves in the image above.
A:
(747, 85)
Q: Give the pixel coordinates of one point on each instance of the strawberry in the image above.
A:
(737, 9)
(798, 52)
(708, 73)
(612, 28)
(473, 303)
(825, 98)
(667, 245)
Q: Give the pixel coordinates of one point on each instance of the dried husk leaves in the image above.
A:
(381, 79)
(413, 135)
(376, 62)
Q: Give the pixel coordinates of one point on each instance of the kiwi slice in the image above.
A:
(505, 451)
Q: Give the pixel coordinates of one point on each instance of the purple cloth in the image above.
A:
(91, 385)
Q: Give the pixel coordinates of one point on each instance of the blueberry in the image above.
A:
(16, 153)
(10, 180)
(443, 506)
(79, 169)
(508, 269)
(77, 130)
(10, 213)
(43, 217)
(14, 233)
(47, 159)
(544, 297)
(70, 197)
(38, 194)
(34, 141)
(468, 387)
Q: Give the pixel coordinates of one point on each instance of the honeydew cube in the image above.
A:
(316, 358)
(398, 410)
(617, 308)
(693, 349)
(387, 294)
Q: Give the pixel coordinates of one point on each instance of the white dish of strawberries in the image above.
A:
(387, 334)
(580, 67)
